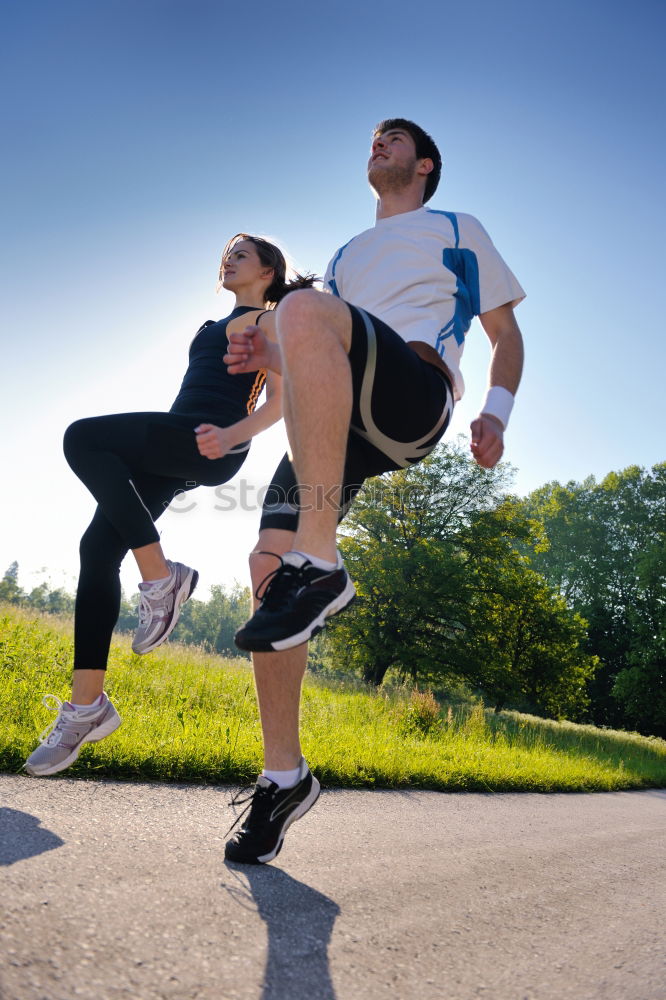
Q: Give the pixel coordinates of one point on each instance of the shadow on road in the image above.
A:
(22, 837)
(659, 793)
(299, 922)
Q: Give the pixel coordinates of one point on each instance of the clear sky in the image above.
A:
(140, 134)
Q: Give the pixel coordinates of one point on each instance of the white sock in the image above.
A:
(145, 584)
(316, 561)
(284, 779)
(93, 707)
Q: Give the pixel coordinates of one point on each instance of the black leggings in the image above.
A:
(133, 464)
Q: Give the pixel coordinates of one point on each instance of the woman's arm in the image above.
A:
(215, 442)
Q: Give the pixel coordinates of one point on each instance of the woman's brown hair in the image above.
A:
(271, 256)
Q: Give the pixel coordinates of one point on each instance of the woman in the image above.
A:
(134, 464)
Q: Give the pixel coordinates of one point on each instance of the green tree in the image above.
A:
(526, 648)
(9, 585)
(444, 594)
(403, 549)
(640, 687)
(128, 616)
(605, 554)
(213, 623)
(54, 602)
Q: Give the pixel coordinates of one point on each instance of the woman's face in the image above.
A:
(242, 268)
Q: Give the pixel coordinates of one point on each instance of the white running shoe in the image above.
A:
(160, 604)
(61, 742)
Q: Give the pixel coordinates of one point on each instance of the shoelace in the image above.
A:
(280, 584)
(145, 609)
(257, 793)
(264, 552)
(62, 718)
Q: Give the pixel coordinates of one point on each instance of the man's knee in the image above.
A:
(305, 315)
(300, 305)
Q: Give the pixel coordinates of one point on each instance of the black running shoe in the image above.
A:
(295, 605)
(272, 810)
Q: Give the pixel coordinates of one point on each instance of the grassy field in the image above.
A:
(190, 716)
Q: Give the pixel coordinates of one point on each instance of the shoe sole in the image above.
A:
(94, 737)
(344, 600)
(188, 585)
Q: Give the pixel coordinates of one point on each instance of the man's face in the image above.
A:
(392, 163)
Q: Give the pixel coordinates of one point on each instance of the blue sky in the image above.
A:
(140, 134)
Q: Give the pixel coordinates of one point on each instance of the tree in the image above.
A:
(640, 687)
(528, 647)
(41, 597)
(55, 602)
(128, 615)
(403, 549)
(9, 586)
(213, 623)
(444, 593)
(606, 554)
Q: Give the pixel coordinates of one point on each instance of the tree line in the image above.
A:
(553, 603)
(209, 624)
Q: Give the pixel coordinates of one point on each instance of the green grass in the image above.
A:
(192, 716)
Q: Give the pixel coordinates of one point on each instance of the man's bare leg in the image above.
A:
(314, 331)
(286, 789)
(278, 676)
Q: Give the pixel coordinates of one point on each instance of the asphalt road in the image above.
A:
(112, 890)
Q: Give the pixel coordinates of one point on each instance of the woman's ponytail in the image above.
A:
(275, 293)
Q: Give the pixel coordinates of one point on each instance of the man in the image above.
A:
(371, 372)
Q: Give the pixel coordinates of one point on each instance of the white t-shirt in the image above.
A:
(426, 274)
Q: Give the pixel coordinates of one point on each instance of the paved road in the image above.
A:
(112, 890)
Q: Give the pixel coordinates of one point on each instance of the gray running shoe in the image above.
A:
(60, 743)
(159, 606)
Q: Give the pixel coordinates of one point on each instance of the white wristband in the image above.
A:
(498, 403)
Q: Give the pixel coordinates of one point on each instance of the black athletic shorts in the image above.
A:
(401, 408)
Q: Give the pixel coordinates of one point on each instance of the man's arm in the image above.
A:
(506, 366)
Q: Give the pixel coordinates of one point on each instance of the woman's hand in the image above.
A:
(251, 350)
(212, 441)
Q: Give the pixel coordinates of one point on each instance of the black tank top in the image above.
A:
(207, 387)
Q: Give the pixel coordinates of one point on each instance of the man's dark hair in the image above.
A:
(425, 148)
